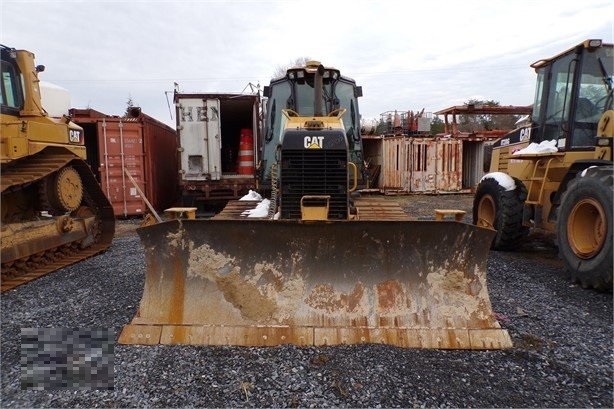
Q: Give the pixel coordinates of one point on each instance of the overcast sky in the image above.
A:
(407, 55)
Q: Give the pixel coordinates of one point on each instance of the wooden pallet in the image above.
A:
(235, 208)
(375, 208)
(369, 208)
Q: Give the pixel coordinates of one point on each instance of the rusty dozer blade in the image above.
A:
(413, 284)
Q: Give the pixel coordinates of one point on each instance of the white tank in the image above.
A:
(55, 99)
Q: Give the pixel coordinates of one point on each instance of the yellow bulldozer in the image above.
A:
(54, 212)
(555, 172)
(324, 266)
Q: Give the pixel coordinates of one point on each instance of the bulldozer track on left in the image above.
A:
(33, 170)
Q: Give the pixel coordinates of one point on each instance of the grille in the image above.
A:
(314, 172)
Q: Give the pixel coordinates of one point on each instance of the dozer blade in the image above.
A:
(414, 284)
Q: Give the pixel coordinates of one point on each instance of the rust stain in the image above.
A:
(324, 297)
(176, 312)
(269, 276)
(246, 297)
(390, 294)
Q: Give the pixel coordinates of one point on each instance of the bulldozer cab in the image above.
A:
(311, 91)
(26, 127)
(573, 90)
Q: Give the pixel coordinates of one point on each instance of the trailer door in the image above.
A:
(214, 137)
(200, 139)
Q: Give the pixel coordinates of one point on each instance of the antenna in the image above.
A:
(255, 89)
(168, 103)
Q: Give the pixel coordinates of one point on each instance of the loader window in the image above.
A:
(593, 91)
(9, 89)
(559, 99)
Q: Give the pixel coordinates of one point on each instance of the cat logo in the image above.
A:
(313, 142)
(525, 134)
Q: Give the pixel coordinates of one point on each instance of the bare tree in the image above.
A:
(280, 71)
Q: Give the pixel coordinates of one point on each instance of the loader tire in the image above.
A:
(500, 209)
(584, 228)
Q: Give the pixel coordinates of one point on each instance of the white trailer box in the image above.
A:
(219, 138)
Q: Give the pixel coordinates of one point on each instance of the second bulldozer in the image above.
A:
(325, 266)
(54, 212)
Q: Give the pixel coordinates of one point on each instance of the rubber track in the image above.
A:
(32, 170)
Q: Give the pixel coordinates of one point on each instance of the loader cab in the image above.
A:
(297, 91)
(573, 90)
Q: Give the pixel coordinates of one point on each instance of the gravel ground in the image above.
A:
(562, 355)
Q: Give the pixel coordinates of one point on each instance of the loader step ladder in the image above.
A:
(537, 182)
(541, 172)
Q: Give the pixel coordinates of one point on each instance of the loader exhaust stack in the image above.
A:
(413, 284)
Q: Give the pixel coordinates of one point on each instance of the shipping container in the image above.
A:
(421, 165)
(396, 164)
(219, 142)
(139, 144)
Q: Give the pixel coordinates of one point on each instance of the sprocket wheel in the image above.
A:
(64, 190)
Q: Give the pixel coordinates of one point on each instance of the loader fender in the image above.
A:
(503, 179)
(419, 284)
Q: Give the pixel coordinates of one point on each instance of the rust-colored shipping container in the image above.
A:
(421, 165)
(396, 164)
(138, 143)
(436, 165)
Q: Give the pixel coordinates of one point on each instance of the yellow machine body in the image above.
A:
(53, 210)
(325, 266)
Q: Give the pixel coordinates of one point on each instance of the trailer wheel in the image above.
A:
(584, 228)
(500, 209)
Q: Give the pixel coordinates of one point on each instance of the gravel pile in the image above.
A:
(562, 355)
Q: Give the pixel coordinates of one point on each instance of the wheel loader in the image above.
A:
(54, 212)
(324, 266)
(554, 173)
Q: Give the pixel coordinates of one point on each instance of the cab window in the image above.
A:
(9, 88)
